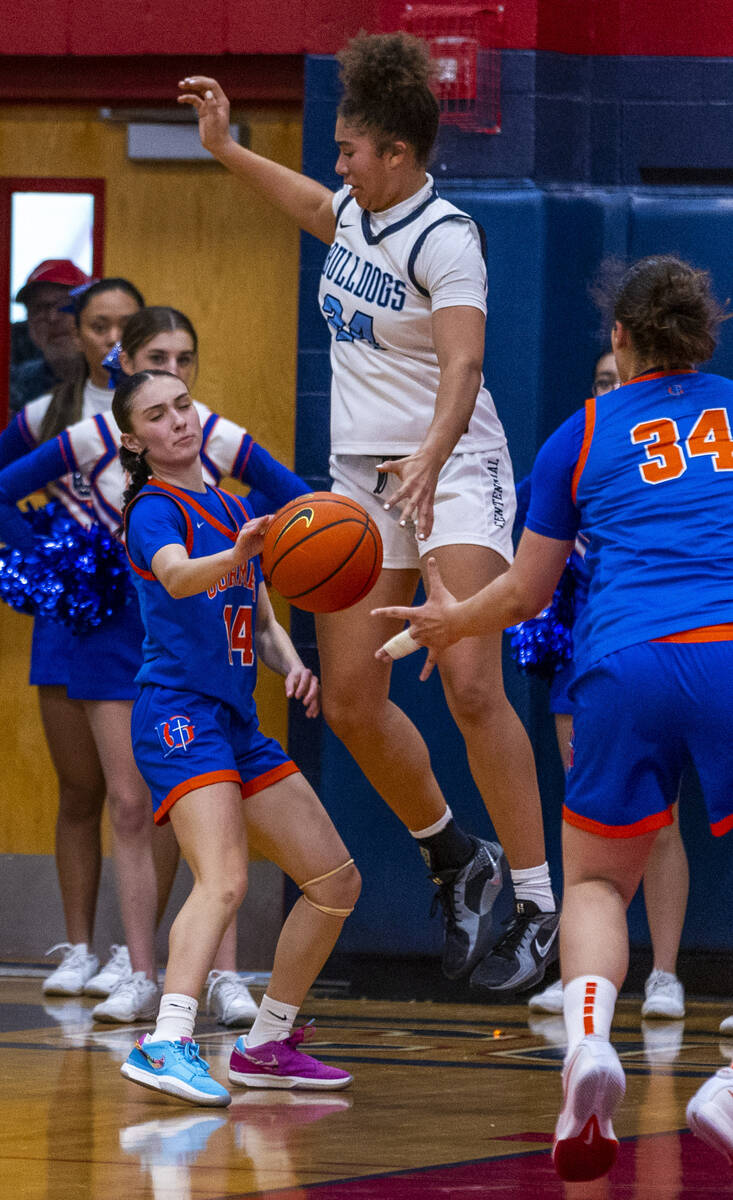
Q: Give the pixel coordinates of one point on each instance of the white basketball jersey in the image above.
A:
(384, 276)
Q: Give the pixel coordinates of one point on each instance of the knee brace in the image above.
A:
(332, 912)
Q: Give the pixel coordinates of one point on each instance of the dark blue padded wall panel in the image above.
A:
(544, 246)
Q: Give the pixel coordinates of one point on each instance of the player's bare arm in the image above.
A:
(183, 576)
(276, 651)
(458, 336)
(304, 200)
(520, 593)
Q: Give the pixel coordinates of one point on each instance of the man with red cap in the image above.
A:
(51, 332)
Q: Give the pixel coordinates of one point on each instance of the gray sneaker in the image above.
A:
(520, 958)
(467, 896)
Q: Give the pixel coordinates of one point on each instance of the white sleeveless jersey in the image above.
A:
(384, 276)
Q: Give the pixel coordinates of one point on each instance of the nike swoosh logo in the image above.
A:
(200, 524)
(542, 950)
(262, 1062)
(275, 1015)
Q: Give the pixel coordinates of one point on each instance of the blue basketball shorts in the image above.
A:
(183, 741)
(640, 715)
(51, 653)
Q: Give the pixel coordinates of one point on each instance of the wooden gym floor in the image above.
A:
(456, 1102)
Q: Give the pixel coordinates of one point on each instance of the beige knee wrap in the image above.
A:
(332, 912)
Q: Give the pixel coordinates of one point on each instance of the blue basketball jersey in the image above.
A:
(653, 487)
(203, 643)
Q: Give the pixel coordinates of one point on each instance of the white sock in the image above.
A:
(176, 1017)
(533, 883)
(436, 827)
(588, 1004)
(273, 1023)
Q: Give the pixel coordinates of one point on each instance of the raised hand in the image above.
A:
(212, 108)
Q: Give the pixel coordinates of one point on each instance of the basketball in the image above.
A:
(322, 552)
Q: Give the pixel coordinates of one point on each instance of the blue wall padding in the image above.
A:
(545, 242)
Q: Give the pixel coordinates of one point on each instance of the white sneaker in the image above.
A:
(664, 997)
(547, 1001)
(134, 999)
(75, 969)
(229, 999)
(726, 1026)
(710, 1113)
(594, 1083)
(113, 972)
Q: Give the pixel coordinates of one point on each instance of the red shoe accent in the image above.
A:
(586, 1156)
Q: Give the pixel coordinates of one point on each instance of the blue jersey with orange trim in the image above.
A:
(648, 476)
(203, 643)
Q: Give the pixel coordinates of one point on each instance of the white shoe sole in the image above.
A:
(585, 1144)
(171, 1086)
(289, 1081)
(58, 989)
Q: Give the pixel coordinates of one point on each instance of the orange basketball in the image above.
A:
(322, 552)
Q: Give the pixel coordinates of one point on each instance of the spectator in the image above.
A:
(50, 330)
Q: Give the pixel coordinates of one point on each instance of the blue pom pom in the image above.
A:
(544, 644)
(75, 575)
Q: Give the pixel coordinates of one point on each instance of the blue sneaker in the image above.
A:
(175, 1068)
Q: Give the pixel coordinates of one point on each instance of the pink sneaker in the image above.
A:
(283, 1065)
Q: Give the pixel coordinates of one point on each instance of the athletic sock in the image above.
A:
(588, 1004)
(176, 1017)
(273, 1023)
(533, 883)
(444, 846)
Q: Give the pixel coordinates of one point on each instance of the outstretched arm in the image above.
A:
(278, 653)
(515, 596)
(304, 200)
(21, 479)
(183, 576)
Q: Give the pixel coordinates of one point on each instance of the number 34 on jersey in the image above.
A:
(667, 454)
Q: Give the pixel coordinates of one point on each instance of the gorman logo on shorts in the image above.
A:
(174, 734)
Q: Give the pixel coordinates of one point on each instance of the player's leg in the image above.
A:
(393, 756)
(601, 875)
(502, 764)
(130, 816)
(289, 825)
(209, 826)
(78, 842)
(355, 696)
(666, 887)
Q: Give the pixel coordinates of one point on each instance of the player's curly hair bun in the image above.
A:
(386, 79)
(666, 304)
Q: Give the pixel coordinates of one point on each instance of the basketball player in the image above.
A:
(210, 770)
(87, 450)
(654, 659)
(666, 877)
(416, 440)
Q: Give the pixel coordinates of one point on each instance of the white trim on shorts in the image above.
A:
(475, 504)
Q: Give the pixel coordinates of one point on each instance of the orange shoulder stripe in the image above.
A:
(590, 424)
